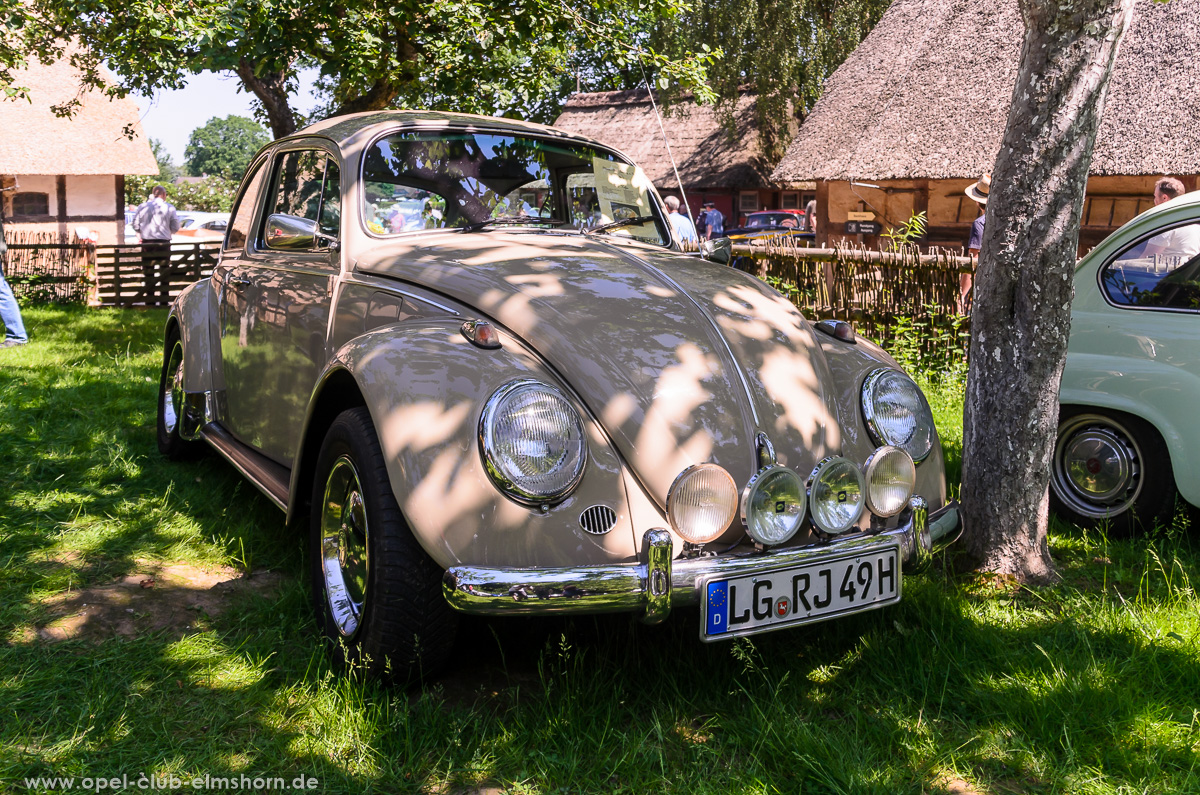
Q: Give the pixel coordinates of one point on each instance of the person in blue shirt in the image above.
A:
(684, 227)
(713, 222)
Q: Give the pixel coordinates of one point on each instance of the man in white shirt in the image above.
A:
(155, 221)
(683, 225)
(1175, 246)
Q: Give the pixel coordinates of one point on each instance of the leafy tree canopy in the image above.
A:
(224, 147)
(783, 50)
(455, 54)
(167, 170)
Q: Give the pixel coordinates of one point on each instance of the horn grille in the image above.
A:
(598, 520)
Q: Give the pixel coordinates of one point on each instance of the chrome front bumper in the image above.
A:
(657, 583)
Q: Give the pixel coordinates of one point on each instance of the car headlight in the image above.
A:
(773, 505)
(702, 502)
(532, 442)
(896, 413)
(891, 477)
(835, 495)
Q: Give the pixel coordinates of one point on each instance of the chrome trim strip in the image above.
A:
(199, 409)
(267, 476)
(626, 587)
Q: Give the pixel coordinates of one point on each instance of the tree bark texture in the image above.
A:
(271, 89)
(1023, 288)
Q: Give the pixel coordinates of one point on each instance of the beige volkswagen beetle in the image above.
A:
(469, 358)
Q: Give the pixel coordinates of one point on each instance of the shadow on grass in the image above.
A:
(1085, 687)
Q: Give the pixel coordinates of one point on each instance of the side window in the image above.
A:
(298, 183)
(243, 213)
(331, 200)
(1162, 272)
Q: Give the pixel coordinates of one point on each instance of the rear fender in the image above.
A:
(425, 386)
(1145, 388)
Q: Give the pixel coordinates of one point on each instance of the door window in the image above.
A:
(243, 213)
(1161, 272)
(305, 202)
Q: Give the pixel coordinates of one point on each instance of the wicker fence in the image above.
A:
(903, 299)
(46, 267)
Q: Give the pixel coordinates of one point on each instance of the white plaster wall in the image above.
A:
(91, 195)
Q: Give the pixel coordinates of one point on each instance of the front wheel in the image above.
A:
(377, 595)
(1111, 468)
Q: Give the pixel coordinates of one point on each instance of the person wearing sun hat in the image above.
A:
(978, 192)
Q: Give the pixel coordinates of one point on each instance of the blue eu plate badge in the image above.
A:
(717, 614)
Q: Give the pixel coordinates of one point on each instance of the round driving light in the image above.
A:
(896, 413)
(532, 441)
(773, 505)
(891, 477)
(835, 495)
(702, 502)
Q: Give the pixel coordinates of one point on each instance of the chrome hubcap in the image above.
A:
(172, 396)
(1097, 467)
(344, 535)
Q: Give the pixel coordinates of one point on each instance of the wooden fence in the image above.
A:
(900, 298)
(150, 275)
(48, 267)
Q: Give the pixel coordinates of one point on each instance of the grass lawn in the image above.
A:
(966, 686)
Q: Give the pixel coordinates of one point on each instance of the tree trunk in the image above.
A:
(272, 91)
(1023, 288)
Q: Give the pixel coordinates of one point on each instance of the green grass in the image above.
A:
(1087, 687)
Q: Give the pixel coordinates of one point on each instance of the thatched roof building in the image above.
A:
(925, 97)
(64, 174)
(729, 170)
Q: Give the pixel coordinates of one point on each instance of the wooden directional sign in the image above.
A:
(862, 227)
(860, 216)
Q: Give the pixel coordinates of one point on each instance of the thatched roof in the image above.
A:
(705, 153)
(35, 141)
(926, 95)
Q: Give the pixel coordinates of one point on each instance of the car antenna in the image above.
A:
(663, 130)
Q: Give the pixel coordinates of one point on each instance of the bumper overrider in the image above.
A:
(657, 583)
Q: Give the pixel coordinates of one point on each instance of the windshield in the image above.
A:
(443, 180)
(772, 220)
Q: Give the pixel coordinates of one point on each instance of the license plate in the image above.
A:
(778, 598)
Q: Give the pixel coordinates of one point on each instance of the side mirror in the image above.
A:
(290, 233)
(719, 250)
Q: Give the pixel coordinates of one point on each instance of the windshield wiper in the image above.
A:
(637, 219)
(511, 220)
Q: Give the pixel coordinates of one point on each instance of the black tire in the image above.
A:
(1111, 468)
(170, 402)
(377, 595)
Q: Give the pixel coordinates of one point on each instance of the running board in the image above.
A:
(271, 478)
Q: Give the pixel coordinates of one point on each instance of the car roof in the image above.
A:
(350, 128)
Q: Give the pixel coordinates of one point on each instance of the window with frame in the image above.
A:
(748, 201)
(31, 203)
(306, 188)
(1159, 272)
(243, 213)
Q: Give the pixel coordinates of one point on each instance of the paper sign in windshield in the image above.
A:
(623, 191)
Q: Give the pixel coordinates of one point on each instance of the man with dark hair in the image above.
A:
(713, 222)
(1168, 188)
(1175, 246)
(155, 222)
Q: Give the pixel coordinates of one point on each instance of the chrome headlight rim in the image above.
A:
(496, 473)
(672, 497)
(869, 467)
(756, 481)
(867, 400)
(825, 464)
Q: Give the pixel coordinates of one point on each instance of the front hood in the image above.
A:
(681, 361)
